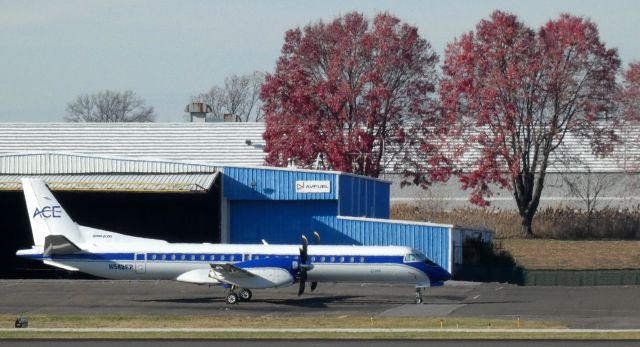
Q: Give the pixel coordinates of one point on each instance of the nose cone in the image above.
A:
(445, 275)
(437, 273)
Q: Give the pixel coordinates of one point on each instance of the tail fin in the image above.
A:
(46, 215)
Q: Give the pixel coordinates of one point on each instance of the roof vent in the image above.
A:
(198, 111)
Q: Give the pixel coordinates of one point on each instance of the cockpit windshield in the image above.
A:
(413, 257)
(416, 256)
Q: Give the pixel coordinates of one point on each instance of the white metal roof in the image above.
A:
(51, 163)
(210, 143)
(241, 144)
(180, 182)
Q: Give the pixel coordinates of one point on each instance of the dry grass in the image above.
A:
(557, 223)
(573, 255)
(291, 322)
(567, 239)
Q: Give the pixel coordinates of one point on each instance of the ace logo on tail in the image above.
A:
(48, 212)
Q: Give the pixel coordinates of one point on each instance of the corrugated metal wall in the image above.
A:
(432, 240)
(364, 197)
(282, 222)
(241, 183)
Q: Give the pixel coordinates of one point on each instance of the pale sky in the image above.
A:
(167, 51)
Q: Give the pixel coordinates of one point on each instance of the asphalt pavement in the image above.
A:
(616, 307)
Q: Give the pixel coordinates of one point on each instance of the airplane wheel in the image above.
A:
(245, 294)
(418, 300)
(231, 299)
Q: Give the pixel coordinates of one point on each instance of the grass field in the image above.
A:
(257, 328)
(290, 322)
(572, 255)
(428, 335)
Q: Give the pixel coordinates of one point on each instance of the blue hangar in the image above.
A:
(278, 205)
(165, 181)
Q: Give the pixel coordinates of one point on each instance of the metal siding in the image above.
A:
(432, 240)
(282, 222)
(364, 197)
(252, 221)
(273, 184)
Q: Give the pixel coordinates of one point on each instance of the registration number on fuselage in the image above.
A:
(121, 267)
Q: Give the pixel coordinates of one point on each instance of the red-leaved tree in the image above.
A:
(516, 93)
(631, 92)
(348, 91)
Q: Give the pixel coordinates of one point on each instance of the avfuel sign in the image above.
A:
(313, 186)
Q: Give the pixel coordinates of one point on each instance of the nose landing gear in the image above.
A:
(418, 299)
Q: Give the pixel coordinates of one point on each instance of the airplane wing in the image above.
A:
(230, 270)
(257, 274)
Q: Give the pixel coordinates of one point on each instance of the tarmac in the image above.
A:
(615, 307)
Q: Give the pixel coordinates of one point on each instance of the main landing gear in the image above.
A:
(418, 299)
(237, 294)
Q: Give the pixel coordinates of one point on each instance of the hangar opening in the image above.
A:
(177, 207)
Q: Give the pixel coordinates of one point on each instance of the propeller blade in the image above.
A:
(303, 280)
(314, 285)
(316, 236)
(303, 250)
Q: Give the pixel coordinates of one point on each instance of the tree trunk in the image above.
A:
(526, 225)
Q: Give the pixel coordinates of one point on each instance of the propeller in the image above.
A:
(303, 264)
(316, 236)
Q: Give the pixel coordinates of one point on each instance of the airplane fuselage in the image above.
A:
(330, 263)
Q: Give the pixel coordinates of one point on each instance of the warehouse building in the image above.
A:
(198, 183)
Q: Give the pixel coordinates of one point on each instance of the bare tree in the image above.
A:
(239, 97)
(588, 186)
(109, 107)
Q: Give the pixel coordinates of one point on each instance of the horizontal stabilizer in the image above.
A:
(59, 244)
(59, 265)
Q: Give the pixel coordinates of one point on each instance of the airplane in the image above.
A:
(62, 243)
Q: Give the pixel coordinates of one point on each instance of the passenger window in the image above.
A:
(153, 257)
(362, 259)
(164, 257)
(222, 257)
(322, 259)
(202, 257)
(193, 257)
(342, 259)
(231, 258)
(333, 259)
(351, 259)
(256, 257)
(182, 257)
(313, 258)
(173, 257)
(212, 257)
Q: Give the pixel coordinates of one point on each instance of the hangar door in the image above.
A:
(175, 214)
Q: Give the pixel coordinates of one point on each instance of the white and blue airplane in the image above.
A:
(60, 242)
